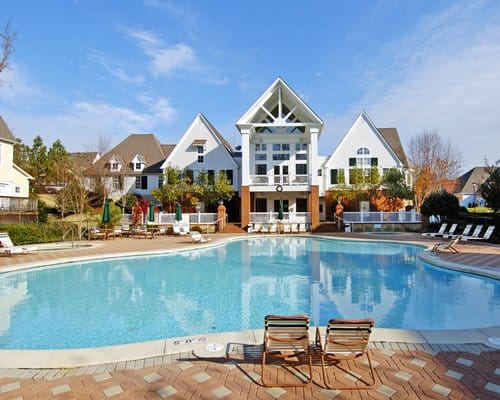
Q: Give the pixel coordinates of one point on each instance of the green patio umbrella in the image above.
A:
(178, 212)
(280, 212)
(106, 215)
(151, 212)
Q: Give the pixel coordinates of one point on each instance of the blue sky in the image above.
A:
(88, 68)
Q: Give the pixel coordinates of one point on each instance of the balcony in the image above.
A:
(283, 180)
(18, 204)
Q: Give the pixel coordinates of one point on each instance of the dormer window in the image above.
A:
(138, 163)
(114, 164)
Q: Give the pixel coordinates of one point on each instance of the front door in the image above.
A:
(281, 175)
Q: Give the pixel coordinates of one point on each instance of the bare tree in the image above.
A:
(435, 162)
(7, 38)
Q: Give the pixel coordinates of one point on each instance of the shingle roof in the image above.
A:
(477, 175)
(145, 144)
(84, 159)
(5, 133)
(391, 136)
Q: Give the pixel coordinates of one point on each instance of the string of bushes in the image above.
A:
(33, 233)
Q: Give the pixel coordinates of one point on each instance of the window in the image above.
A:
(141, 182)
(261, 157)
(276, 147)
(374, 162)
(117, 183)
(320, 172)
(211, 176)
(281, 157)
(300, 169)
(261, 147)
(229, 175)
(352, 161)
(160, 181)
(301, 204)
(333, 177)
(301, 156)
(284, 204)
(189, 175)
(300, 146)
(17, 189)
(138, 166)
(115, 166)
(260, 205)
(201, 152)
(260, 169)
(285, 147)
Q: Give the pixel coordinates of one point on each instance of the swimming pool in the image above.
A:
(231, 287)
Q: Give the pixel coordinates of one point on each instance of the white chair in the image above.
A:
(295, 228)
(198, 237)
(302, 228)
(273, 228)
(475, 234)
(466, 232)
(440, 232)
(486, 235)
(286, 228)
(7, 248)
(179, 230)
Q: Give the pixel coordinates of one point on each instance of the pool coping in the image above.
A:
(203, 345)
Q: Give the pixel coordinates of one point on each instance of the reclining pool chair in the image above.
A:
(7, 248)
(286, 336)
(447, 246)
(440, 232)
(346, 340)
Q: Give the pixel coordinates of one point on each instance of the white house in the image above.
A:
(365, 147)
(279, 146)
(202, 149)
(14, 182)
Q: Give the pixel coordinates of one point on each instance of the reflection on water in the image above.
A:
(232, 287)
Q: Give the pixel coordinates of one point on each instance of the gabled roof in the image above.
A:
(279, 96)
(388, 136)
(84, 159)
(5, 133)
(391, 136)
(127, 149)
(465, 183)
(216, 134)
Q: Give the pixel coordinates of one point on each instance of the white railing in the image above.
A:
(279, 179)
(163, 218)
(398, 217)
(270, 217)
(18, 204)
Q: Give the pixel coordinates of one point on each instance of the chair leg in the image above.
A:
(302, 384)
(365, 387)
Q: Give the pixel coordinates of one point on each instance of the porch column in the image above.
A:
(245, 157)
(245, 205)
(313, 155)
(313, 205)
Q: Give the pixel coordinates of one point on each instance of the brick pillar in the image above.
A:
(245, 205)
(314, 206)
(221, 217)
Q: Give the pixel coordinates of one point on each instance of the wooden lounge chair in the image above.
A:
(440, 232)
(95, 233)
(7, 247)
(447, 246)
(197, 237)
(346, 340)
(285, 337)
(486, 236)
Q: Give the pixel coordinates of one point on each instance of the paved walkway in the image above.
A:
(404, 370)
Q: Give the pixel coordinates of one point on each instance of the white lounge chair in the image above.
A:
(447, 246)
(273, 228)
(486, 235)
(295, 228)
(179, 230)
(302, 228)
(475, 234)
(7, 248)
(286, 228)
(465, 232)
(198, 237)
(440, 232)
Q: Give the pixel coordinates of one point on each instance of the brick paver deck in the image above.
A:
(403, 371)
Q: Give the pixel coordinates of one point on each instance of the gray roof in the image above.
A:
(84, 159)
(391, 136)
(5, 133)
(145, 145)
(477, 175)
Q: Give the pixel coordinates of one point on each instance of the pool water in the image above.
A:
(232, 287)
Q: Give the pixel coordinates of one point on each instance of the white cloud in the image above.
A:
(113, 69)
(167, 60)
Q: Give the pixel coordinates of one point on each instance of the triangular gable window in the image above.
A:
(138, 163)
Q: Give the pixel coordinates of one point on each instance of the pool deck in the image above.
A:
(409, 364)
